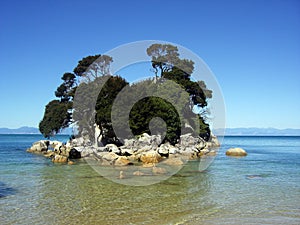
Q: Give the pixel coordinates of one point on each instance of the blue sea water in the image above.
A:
(261, 188)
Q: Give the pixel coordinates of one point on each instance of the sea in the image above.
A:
(261, 188)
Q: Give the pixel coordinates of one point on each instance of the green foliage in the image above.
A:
(92, 67)
(145, 110)
(65, 91)
(166, 59)
(58, 112)
(56, 117)
(84, 64)
(173, 97)
(106, 97)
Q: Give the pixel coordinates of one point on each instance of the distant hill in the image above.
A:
(21, 130)
(228, 131)
(253, 131)
(28, 130)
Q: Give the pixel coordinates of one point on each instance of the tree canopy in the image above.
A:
(176, 96)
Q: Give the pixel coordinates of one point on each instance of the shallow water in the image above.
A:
(262, 188)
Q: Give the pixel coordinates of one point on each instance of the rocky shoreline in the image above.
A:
(144, 150)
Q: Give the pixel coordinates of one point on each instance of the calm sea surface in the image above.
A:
(262, 188)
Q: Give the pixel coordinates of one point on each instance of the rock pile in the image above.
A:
(149, 151)
(56, 150)
(145, 149)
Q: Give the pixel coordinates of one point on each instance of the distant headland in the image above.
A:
(228, 132)
(28, 130)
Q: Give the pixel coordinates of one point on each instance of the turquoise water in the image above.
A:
(262, 188)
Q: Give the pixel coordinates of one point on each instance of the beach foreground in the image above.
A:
(262, 188)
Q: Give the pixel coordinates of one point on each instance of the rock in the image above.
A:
(148, 165)
(150, 157)
(155, 141)
(70, 162)
(77, 142)
(187, 140)
(145, 139)
(121, 175)
(104, 162)
(49, 154)
(60, 159)
(236, 152)
(129, 142)
(85, 152)
(138, 173)
(39, 147)
(211, 153)
(74, 154)
(126, 151)
(144, 149)
(159, 170)
(64, 151)
(122, 161)
(173, 150)
(163, 150)
(200, 145)
(112, 148)
(214, 140)
(203, 152)
(110, 156)
(56, 145)
(173, 162)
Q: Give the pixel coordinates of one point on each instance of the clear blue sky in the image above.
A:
(252, 46)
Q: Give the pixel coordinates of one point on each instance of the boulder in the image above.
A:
(173, 150)
(85, 152)
(236, 152)
(138, 173)
(122, 161)
(49, 154)
(173, 162)
(126, 151)
(200, 145)
(129, 142)
(60, 159)
(211, 153)
(112, 148)
(203, 152)
(145, 139)
(70, 162)
(110, 156)
(163, 150)
(150, 157)
(74, 154)
(187, 140)
(159, 170)
(215, 142)
(56, 145)
(39, 146)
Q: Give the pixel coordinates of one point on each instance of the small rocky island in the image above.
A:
(144, 150)
(114, 118)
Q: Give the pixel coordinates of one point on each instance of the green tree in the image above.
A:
(56, 117)
(92, 67)
(106, 97)
(165, 58)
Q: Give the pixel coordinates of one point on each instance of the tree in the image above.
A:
(172, 96)
(52, 123)
(104, 103)
(165, 58)
(92, 67)
(56, 117)
(66, 90)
